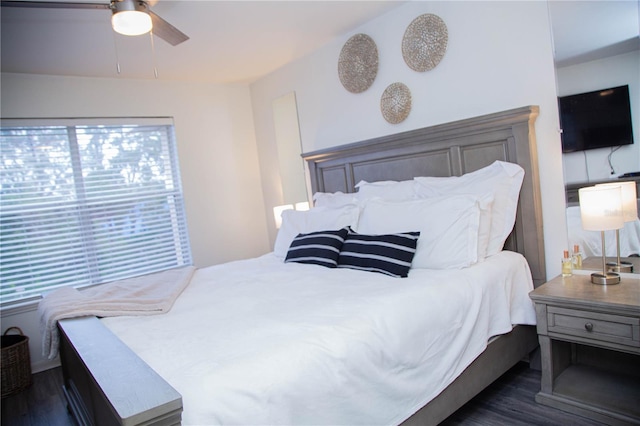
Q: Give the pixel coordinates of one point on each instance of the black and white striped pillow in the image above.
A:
(389, 254)
(318, 248)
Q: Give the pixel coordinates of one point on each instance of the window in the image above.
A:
(84, 203)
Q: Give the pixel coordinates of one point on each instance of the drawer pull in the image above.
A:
(588, 326)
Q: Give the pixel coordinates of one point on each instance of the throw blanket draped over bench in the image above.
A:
(146, 295)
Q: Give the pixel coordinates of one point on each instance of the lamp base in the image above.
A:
(609, 278)
(622, 267)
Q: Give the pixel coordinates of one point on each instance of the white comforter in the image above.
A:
(262, 342)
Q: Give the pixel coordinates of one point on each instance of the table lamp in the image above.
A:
(601, 210)
(630, 213)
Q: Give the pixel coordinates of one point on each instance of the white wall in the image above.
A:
(216, 148)
(499, 57)
(593, 165)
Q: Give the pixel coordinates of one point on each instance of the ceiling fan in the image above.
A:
(129, 17)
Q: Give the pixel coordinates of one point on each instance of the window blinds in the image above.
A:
(83, 204)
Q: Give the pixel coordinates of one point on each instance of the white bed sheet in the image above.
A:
(263, 342)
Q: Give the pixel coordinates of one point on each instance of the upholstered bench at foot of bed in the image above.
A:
(98, 394)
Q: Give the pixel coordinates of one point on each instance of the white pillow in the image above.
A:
(449, 227)
(485, 205)
(334, 199)
(296, 222)
(386, 189)
(501, 179)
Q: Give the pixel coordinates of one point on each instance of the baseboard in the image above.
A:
(38, 367)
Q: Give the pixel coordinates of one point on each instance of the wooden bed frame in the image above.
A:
(107, 384)
(447, 150)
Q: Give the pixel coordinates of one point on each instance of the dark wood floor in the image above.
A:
(42, 404)
(508, 401)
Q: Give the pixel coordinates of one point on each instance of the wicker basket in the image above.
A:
(16, 363)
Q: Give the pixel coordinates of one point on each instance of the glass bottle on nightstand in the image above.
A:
(576, 257)
(567, 265)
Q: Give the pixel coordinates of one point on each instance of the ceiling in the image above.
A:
(241, 41)
(230, 41)
(588, 30)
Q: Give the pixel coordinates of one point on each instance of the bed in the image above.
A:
(107, 380)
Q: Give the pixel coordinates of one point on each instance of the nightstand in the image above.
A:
(590, 347)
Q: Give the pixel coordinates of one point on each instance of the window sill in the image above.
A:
(19, 308)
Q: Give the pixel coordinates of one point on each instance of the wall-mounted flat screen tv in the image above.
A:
(597, 119)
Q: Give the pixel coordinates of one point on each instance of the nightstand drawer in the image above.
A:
(594, 326)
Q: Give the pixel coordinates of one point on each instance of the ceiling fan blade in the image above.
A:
(166, 31)
(53, 5)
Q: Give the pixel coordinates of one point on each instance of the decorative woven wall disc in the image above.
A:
(358, 63)
(424, 42)
(395, 103)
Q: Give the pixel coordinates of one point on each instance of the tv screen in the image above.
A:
(597, 119)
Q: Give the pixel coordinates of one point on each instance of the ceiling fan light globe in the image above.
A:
(131, 22)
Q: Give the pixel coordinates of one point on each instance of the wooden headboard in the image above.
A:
(450, 149)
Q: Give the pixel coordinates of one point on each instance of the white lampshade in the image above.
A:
(277, 213)
(130, 17)
(601, 208)
(629, 199)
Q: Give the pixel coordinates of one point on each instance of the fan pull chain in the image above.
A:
(115, 45)
(153, 54)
